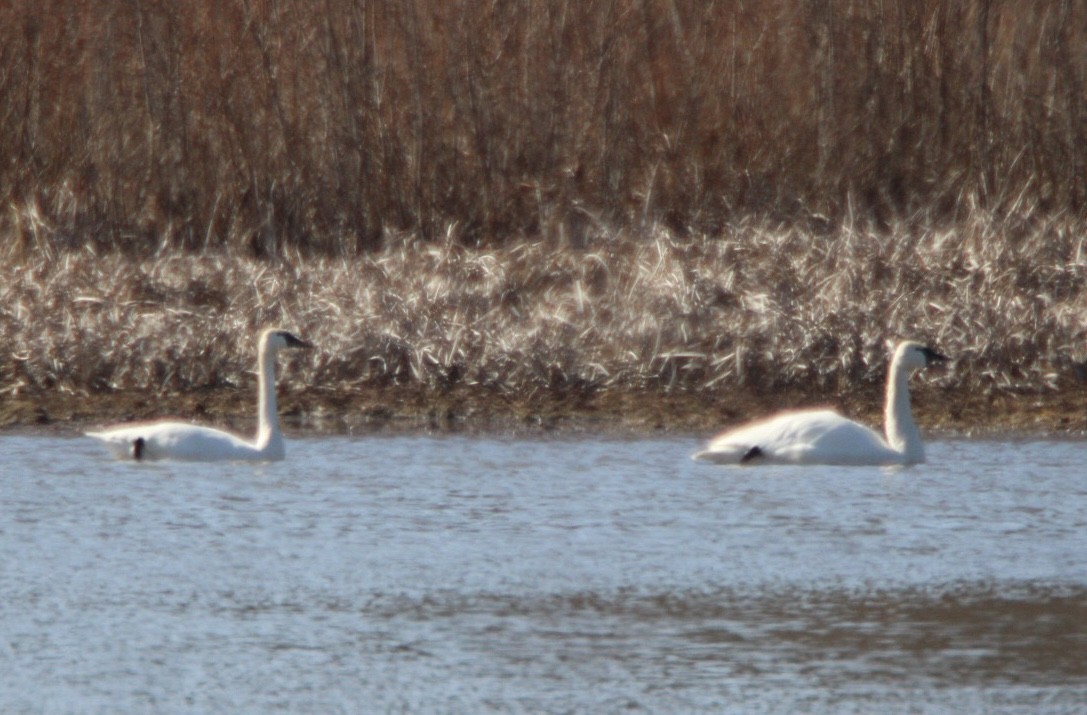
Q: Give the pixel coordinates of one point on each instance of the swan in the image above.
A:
(196, 443)
(825, 437)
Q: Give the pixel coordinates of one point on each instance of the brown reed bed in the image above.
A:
(262, 125)
(634, 330)
(649, 212)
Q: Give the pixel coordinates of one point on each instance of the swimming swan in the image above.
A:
(182, 441)
(825, 437)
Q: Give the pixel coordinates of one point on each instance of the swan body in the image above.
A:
(825, 437)
(196, 443)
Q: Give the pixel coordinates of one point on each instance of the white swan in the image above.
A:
(183, 441)
(825, 437)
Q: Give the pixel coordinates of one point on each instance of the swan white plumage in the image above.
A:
(196, 443)
(825, 437)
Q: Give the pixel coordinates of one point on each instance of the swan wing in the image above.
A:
(803, 437)
(176, 440)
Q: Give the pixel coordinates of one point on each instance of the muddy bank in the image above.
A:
(477, 409)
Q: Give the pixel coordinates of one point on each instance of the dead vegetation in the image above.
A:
(760, 309)
(330, 127)
(553, 201)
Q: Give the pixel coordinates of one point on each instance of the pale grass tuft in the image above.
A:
(759, 306)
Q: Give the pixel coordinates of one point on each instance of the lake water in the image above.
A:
(466, 574)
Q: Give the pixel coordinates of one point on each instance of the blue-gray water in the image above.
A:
(582, 575)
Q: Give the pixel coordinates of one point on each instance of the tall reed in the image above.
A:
(331, 126)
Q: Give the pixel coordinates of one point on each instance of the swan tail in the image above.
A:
(119, 447)
(729, 454)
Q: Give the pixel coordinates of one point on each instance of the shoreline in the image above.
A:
(480, 410)
(636, 335)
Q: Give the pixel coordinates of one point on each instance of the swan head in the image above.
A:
(915, 356)
(274, 340)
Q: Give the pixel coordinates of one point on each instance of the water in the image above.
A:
(475, 575)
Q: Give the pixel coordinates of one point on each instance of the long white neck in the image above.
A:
(269, 438)
(902, 433)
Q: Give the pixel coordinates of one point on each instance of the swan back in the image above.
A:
(183, 441)
(179, 441)
(825, 437)
(800, 437)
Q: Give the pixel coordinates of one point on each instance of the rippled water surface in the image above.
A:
(472, 575)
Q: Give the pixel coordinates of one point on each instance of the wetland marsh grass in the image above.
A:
(263, 127)
(490, 208)
(759, 310)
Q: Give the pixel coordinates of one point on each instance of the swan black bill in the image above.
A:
(294, 341)
(932, 356)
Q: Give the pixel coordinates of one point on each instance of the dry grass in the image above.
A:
(759, 307)
(554, 198)
(330, 127)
